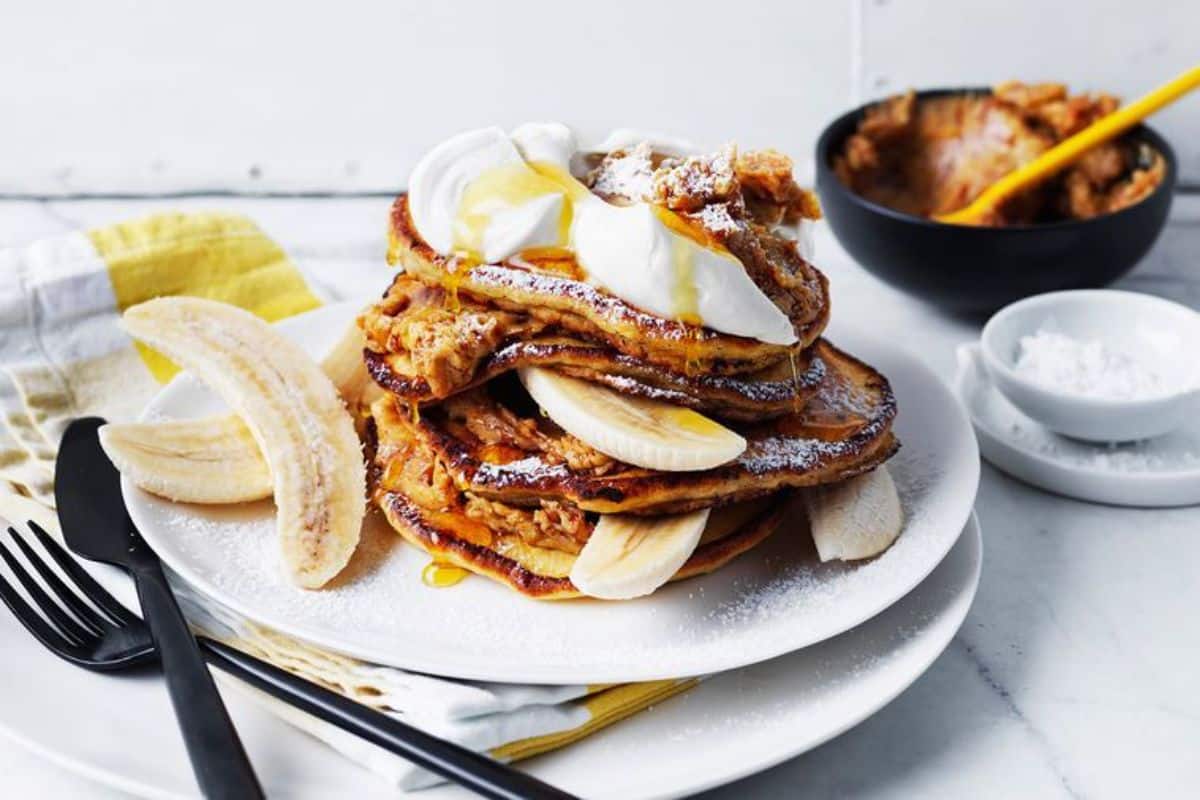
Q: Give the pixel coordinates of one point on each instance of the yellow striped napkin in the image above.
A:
(63, 356)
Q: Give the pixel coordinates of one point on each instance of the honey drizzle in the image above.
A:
(685, 300)
(500, 188)
(440, 575)
(508, 186)
(692, 359)
(795, 382)
(454, 277)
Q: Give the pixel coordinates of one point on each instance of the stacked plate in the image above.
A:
(798, 651)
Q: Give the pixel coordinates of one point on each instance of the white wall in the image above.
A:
(1125, 47)
(143, 97)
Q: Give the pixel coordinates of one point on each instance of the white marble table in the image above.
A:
(1075, 673)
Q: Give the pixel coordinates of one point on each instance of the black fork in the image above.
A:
(110, 637)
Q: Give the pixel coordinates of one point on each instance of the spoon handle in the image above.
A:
(1072, 147)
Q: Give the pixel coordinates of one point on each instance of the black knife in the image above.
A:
(96, 526)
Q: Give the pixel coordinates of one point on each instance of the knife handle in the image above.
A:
(218, 759)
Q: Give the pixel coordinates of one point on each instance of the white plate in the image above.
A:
(1159, 472)
(773, 600)
(120, 730)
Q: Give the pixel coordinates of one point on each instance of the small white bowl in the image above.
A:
(1163, 335)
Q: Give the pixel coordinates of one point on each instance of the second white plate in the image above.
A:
(773, 600)
(728, 727)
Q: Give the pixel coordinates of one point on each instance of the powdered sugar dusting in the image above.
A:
(840, 395)
(709, 176)
(789, 453)
(716, 218)
(772, 600)
(524, 471)
(1144, 456)
(824, 587)
(625, 174)
(381, 610)
(632, 375)
(545, 285)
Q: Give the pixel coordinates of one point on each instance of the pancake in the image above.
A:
(492, 443)
(541, 572)
(429, 351)
(467, 467)
(549, 289)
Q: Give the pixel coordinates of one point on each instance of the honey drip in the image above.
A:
(500, 189)
(393, 473)
(509, 186)
(691, 231)
(414, 411)
(692, 359)
(453, 279)
(685, 300)
(795, 383)
(439, 575)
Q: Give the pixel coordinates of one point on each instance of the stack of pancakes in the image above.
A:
(467, 468)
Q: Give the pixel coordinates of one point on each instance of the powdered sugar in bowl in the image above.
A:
(1100, 365)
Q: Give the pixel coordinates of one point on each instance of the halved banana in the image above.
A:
(209, 460)
(293, 411)
(216, 459)
(645, 433)
(857, 518)
(630, 556)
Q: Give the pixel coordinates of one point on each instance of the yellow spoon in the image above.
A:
(1071, 148)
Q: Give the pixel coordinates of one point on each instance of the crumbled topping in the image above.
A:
(408, 464)
(689, 184)
(624, 176)
(555, 526)
(443, 344)
(770, 190)
(718, 220)
(492, 423)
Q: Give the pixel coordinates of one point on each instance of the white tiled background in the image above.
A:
(137, 96)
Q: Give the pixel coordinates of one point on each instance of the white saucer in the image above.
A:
(119, 729)
(770, 601)
(1159, 472)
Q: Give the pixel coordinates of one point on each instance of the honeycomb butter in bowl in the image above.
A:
(885, 170)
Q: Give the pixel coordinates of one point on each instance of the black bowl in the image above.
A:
(972, 270)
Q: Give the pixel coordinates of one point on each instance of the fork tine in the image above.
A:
(90, 619)
(86, 583)
(70, 628)
(32, 621)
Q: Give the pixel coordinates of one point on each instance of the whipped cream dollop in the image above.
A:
(488, 196)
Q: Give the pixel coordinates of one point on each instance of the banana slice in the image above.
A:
(215, 459)
(210, 460)
(637, 431)
(294, 413)
(857, 518)
(630, 556)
